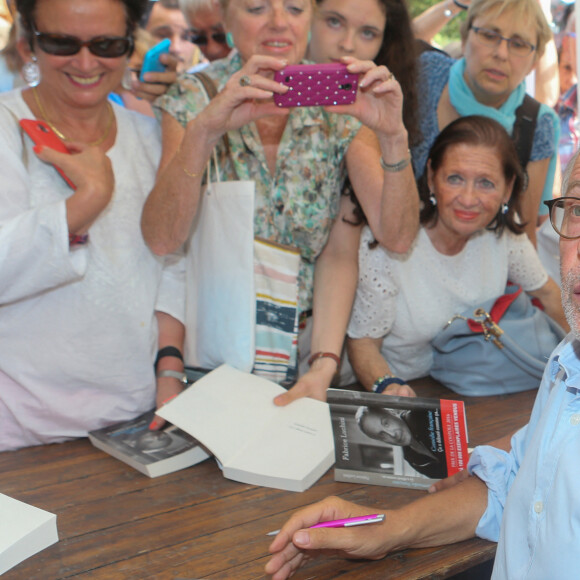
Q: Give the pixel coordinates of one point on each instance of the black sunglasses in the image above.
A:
(202, 39)
(102, 46)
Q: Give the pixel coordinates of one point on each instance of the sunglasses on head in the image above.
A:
(202, 38)
(102, 46)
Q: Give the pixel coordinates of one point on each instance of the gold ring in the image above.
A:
(245, 81)
(391, 76)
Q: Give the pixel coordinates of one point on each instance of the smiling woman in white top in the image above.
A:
(468, 247)
(78, 285)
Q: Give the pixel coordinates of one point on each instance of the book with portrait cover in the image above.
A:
(153, 453)
(396, 441)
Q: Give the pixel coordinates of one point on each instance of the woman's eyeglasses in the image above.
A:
(565, 216)
(202, 39)
(516, 46)
(101, 46)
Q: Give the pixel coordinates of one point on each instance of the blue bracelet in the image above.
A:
(381, 384)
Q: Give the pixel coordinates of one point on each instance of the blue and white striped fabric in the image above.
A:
(275, 278)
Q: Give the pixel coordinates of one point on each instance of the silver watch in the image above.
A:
(179, 375)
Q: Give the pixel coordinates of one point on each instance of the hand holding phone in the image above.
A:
(151, 62)
(316, 85)
(42, 134)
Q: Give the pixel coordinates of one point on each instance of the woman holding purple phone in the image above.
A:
(298, 158)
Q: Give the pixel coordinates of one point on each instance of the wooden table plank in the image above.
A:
(116, 523)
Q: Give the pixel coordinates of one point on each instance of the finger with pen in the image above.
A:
(344, 523)
(332, 525)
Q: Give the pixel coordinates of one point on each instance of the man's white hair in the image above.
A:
(191, 7)
(568, 172)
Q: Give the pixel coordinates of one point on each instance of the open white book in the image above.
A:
(24, 531)
(232, 413)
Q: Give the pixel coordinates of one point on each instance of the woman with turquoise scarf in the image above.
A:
(502, 42)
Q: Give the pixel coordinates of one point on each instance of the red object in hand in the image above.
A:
(43, 136)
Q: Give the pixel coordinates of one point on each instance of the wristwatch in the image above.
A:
(179, 375)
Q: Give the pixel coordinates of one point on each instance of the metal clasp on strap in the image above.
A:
(453, 318)
(491, 331)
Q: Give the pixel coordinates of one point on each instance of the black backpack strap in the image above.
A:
(524, 128)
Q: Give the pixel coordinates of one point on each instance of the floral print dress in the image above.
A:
(298, 204)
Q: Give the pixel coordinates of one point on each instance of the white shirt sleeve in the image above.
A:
(524, 265)
(34, 247)
(374, 307)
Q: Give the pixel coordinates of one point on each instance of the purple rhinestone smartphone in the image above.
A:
(316, 85)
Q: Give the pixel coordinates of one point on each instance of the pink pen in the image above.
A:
(346, 523)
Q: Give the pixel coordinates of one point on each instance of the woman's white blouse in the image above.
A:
(408, 298)
(78, 334)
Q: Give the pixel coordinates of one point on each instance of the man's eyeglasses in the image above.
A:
(565, 216)
(202, 39)
(101, 46)
(516, 46)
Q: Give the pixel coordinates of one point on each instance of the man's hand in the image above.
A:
(296, 543)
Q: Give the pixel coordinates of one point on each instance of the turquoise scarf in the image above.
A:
(465, 104)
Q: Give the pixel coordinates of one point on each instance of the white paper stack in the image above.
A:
(24, 531)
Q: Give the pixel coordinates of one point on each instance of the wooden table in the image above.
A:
(195, 524)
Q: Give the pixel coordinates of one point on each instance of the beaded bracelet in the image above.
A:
(383, 382)
(318, 355)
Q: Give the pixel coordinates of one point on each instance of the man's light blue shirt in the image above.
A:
(532, 490)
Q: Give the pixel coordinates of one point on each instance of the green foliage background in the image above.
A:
(449, 33)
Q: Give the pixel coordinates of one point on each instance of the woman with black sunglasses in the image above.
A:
(78, 286)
